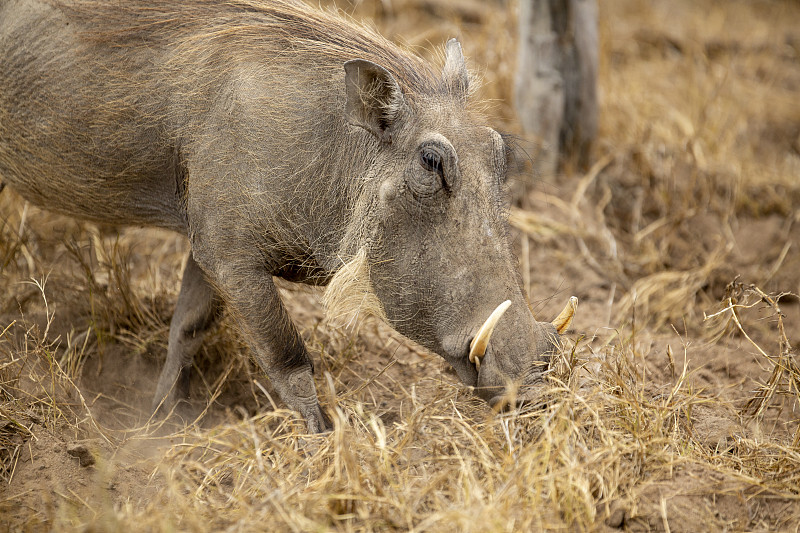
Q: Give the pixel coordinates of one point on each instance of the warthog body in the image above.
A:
(282, 141)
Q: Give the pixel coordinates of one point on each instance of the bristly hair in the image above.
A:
(288, 25)
(515, 153)
(350, 295)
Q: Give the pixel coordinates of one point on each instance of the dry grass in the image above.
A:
(673, 404)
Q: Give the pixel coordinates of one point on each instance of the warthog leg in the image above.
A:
(252, 297)
(280, 352)
(196, 311)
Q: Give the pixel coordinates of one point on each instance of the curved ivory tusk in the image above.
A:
(477, 348)
(564, 319)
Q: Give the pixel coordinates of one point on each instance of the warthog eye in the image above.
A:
(432, 161)
(435, 170)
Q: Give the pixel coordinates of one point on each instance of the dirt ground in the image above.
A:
(673, 407)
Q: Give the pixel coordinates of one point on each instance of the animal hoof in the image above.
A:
(317, 420)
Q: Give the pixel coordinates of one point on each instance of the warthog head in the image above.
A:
(436, 250)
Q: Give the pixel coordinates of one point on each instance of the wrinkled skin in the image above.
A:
(278, 152)
(453, 233)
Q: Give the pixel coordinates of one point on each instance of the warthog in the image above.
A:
(283, 141)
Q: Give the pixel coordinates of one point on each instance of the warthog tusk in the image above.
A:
(564, 319)
(477, 348)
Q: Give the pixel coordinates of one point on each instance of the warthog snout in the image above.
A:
(510, 369)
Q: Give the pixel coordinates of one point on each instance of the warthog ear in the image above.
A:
(374, 98)
(454, 73)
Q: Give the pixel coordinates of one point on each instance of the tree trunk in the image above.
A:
(556, 83)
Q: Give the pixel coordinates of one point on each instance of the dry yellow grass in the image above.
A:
(672, 407)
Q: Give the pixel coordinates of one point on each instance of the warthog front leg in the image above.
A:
(196, 311)
(281, 353)
(277, 347)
